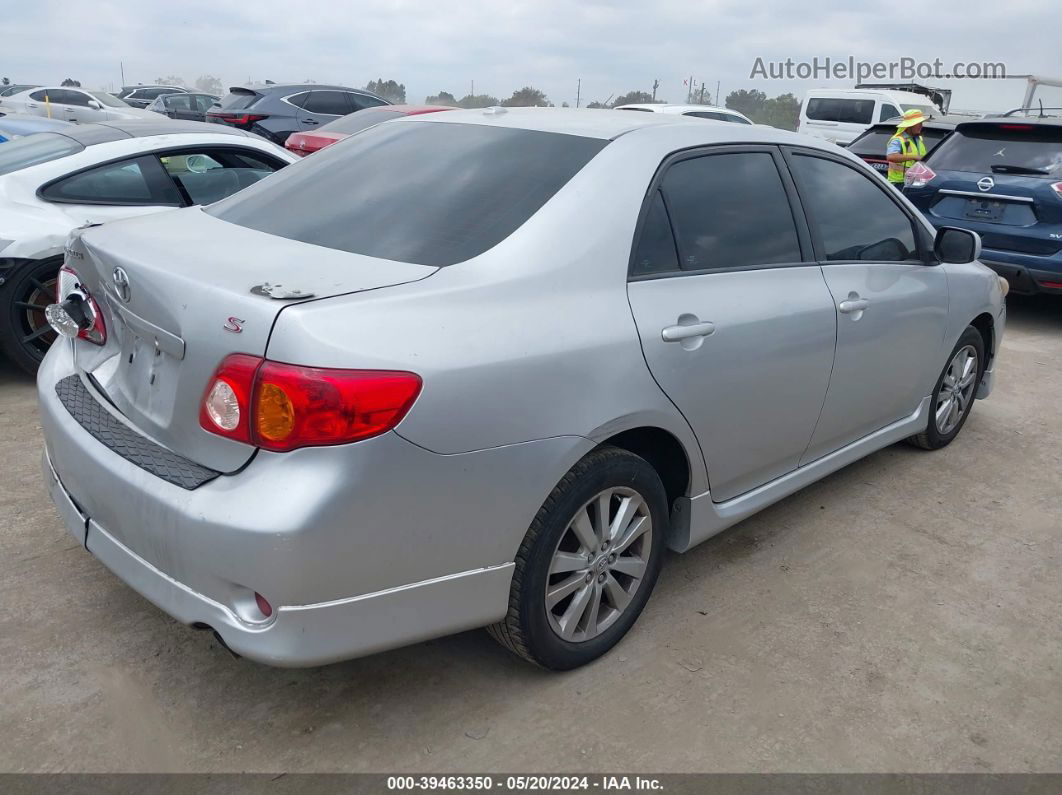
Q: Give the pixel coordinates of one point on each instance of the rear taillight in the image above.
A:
(1057, 188)
(237, 118)
(918, 176)
(283, 407)
(75, 313)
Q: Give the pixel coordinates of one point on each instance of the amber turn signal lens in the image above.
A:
(275, 416)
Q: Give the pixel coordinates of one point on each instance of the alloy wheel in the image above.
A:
(35, 334)
(956, 390)
(599, 564)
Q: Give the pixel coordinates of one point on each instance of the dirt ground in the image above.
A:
(904, 614)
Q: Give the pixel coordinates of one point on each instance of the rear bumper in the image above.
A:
(1023, 280)
(358, 548)
(303, 635)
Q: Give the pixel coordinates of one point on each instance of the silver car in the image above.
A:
(480, 368)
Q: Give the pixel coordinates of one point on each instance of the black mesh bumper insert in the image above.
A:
(126, 442)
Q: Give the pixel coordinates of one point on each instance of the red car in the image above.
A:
(305, 143)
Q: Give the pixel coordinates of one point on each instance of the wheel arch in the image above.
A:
(664, 452)
(985, 325)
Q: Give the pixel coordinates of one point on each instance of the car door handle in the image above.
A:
(308, 121)
(679, 333)
(851, 305)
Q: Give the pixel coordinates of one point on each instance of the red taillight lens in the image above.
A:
(1021, 127)
(283, 407)
(1057, 188)
(238, 118)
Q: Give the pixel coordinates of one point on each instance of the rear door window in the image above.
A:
(328, 103)
(856, 219)
(1016, 148)
(430, 194)
(730, 211)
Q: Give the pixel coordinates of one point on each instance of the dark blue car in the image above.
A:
(1002, 178)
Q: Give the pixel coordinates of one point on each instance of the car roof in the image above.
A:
(663, 107)
(854, 93)
(609, 124)
(262, 88)
(1036, 121)
(107, 131)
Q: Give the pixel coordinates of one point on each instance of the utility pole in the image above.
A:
(472, 92)
(702, 92)
(718, 100)
(689, 93)
(578, 91)
(656, 84)
(121, 66)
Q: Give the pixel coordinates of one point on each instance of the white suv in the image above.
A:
(841, 115)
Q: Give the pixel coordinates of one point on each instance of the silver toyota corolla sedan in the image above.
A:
(480, 368)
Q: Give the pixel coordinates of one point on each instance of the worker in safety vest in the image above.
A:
(906, 147)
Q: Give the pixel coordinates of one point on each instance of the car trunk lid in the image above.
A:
(175, 308)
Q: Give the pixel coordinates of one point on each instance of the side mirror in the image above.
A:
(956, 245)
(95, 104)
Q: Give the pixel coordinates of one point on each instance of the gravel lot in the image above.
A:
(905, 614)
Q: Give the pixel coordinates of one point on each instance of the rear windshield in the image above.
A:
(362, 120)
(238, 100)
(422, 192)
(994, 149)
(35, 149)
(874, 142)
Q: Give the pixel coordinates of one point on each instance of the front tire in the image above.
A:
(588, 563)
(25, 335)
(954, 395)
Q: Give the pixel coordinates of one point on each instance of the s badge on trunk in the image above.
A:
(234, 324)
(121, 284)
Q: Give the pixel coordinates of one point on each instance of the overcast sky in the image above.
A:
(432, 45)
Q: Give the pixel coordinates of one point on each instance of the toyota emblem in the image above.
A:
(986, 183)
(121, 284)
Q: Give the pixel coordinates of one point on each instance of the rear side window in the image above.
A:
(238, 100)
(994, 149)
(363, 119)
(32, 150)
(656, 252)
(854, 217)
(328, 103)
(730, 210)
(178, 102)
(431, 194)
(123, 182)
(359, 101)
(848, 111)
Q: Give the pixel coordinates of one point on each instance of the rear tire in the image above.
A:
(580, 583)
(954, 395)
(25, 335)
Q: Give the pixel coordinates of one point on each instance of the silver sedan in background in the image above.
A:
(480, 368)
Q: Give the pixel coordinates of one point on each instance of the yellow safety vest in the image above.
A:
(911, 146)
